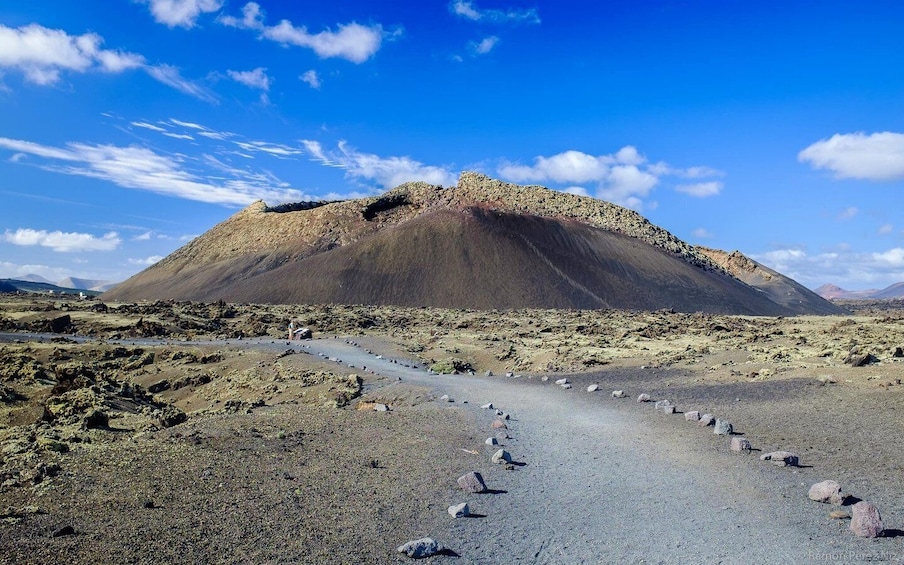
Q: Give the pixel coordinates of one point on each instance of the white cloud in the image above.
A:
(702, 233)
(568, 166)
(624, 177)
(485, 45)
(146, 125)
(143, 169)
(354, 42)
(701, 189)
(311, 78)
(41, 54)
(147, 261)
(876, 157)
(386, 172)
(65, 242)
(253, 79)
(178, 135)
(146, 236)
(893, 258)
(848, 213)
(189, 125)
(469, 11)
(886, 229)
(274, 149)
(170, 76)
(183, 13)
(697, 172)
(252, 18)
(841, 266)
(15, 271)
(576, 190)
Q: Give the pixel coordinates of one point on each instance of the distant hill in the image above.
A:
(34, 278)
(834, 292)
(85, 284)
(6, 287)
(482, 244)
(42, 288)
(894, 291)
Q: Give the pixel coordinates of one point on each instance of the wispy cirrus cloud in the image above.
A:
(352, 41)
(181, 13)
(469, 11)
(141, 168)
(172, 77)
(386, 172)
(273, 149)
(625, 177)
(875, 157)
(65, 242)
(145, 125)
(190, 130)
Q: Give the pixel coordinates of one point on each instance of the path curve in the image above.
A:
(607, 485)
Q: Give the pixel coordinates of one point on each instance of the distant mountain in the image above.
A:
(34, 278)
(40, 287)
(85, 284)
(894, 291)
(835, 292)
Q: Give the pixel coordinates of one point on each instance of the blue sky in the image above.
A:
(128, 127)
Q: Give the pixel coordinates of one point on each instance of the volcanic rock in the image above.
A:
(420, 548)
(866, 521)
(827, 491)
(472, 482)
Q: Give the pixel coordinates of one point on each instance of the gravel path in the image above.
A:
(611, 481)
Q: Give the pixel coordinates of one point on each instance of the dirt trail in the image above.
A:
(605, 482)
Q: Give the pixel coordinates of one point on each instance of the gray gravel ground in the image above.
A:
(605, 484)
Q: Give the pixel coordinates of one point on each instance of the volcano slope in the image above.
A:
(483, 244)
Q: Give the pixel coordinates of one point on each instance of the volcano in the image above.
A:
(483, 244)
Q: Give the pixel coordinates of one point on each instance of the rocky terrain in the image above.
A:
(482, 244)
(123, 438)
